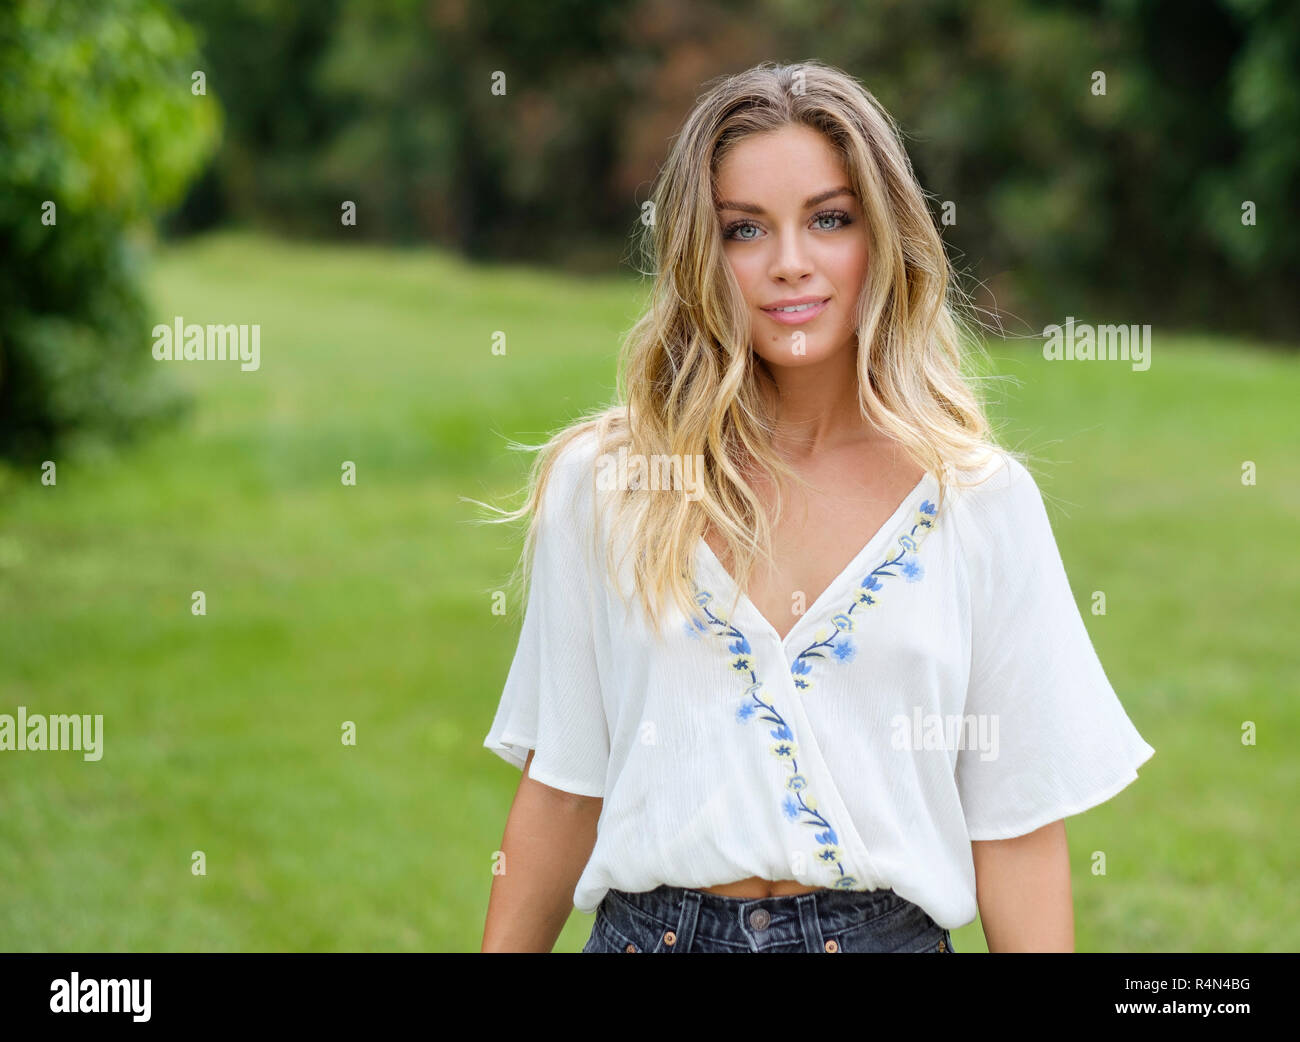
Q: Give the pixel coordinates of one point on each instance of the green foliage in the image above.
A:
(1126, 205)
(99, 131)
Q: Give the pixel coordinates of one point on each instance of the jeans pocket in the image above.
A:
(607, 936)
(904, 928)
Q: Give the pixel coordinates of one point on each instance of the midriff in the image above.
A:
(756, 887)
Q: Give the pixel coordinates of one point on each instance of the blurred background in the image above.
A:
(201, 159)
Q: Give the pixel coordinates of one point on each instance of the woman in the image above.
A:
(831, 752)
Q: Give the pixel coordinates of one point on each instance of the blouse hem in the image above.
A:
(1077, 807)
(504, 748)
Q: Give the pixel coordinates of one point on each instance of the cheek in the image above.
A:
(747, 271)
(849, 264)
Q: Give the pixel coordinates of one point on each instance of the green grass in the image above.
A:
(372, 604)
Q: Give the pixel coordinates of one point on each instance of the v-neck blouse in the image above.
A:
(942, 689)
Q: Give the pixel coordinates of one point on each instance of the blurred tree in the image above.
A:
(1126, 204)
(98, 131)
(261, 59)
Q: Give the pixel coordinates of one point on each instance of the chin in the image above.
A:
(812, 356)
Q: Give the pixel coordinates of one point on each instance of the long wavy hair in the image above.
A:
(688, 383)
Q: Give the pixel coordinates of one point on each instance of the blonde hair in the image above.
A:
(687, 382)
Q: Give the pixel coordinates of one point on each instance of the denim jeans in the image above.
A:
(676, 919)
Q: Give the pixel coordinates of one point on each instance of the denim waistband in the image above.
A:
(765, 922)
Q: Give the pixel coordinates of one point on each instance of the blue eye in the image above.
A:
(826, 215)
(832, 217)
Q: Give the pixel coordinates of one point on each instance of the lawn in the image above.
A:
(371, 603)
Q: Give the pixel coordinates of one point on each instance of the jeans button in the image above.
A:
(670, 938)
(759, 918)
(832, 946)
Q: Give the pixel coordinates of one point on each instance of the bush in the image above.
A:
(99, 132)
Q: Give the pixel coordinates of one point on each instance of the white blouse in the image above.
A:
(942, 689)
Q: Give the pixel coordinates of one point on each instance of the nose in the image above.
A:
(791, 261)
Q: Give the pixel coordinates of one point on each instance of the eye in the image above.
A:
(833, 215)
(732, 230)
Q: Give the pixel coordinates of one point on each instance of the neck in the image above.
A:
(816, 406)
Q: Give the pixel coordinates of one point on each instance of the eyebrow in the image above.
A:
(811, 201)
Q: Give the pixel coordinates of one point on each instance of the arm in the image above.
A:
(548, 840)
(1022, 886)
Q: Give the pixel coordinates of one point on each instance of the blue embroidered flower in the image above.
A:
(798, 805)
(840, 645)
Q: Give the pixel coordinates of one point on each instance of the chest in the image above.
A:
(820, 531)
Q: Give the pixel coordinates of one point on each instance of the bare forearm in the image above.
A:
(548, 839)
(1022, 886)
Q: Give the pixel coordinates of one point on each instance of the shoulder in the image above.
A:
(571, 466)
(998, 478)
(997, 502)
(569, 497)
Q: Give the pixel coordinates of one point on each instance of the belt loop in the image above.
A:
(811, 923)
(686, 921)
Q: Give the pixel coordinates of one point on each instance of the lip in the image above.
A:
(794, 318)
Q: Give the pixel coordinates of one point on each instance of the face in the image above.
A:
(793, 231)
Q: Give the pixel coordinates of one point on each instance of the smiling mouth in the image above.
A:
(798, 307)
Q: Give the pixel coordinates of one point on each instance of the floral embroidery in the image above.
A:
(798, 804)
(838, 643)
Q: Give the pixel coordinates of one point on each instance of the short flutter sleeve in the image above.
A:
(552, 700)
(1064, 743)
